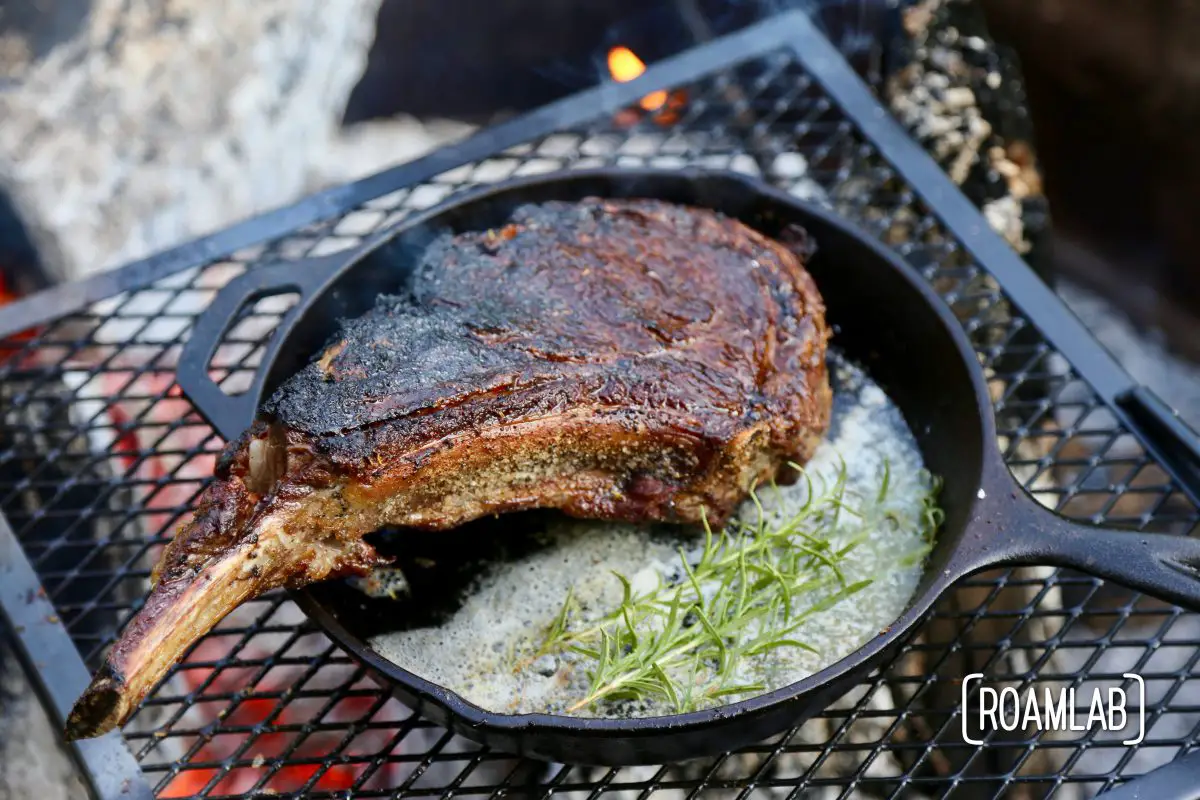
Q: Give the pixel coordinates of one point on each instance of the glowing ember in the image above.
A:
(10, 295)
(624, 65)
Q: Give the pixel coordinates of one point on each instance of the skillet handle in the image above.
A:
(231, 414)
(1010, 528)
(1157, 564)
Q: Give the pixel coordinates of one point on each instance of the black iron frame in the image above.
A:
(44, 644)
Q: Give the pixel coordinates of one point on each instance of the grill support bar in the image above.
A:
(59, 674)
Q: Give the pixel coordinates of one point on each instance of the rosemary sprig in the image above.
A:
(748, 590)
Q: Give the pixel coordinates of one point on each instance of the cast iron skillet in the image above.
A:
(886, 319)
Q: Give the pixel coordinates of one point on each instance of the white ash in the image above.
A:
(1005, 218)
(482, 650)
(671, 150)
(958, 98)
(32, 762)
(933, 98)
(790, 170)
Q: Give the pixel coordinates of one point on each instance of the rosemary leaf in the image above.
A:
(766, 646)
(746, 591)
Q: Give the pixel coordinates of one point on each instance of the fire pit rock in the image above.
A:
(130, 127)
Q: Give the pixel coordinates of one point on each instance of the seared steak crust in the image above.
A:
(615, 359)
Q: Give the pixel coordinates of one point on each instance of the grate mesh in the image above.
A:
(100, 457)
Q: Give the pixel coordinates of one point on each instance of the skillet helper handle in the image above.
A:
(1157, 564)
(231, 414)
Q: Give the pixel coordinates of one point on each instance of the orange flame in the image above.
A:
(7, 296)
(624, 65)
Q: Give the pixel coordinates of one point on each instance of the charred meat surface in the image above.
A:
(614, 359)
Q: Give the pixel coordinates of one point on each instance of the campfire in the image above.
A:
(624, 65)
(266, 705)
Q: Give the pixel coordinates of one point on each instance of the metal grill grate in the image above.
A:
(100, 457)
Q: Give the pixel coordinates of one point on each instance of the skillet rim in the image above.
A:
(478, 718)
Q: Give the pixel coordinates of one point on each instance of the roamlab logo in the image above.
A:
(1110, 708)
